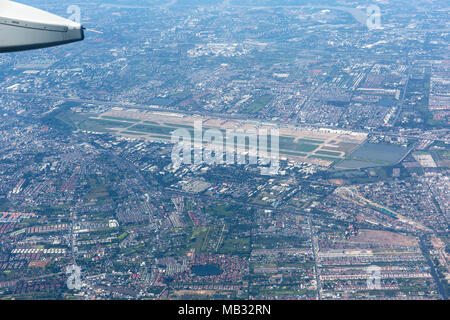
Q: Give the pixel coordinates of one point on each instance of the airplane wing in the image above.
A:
(25, 28)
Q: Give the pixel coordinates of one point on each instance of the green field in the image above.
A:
(328, 153)
(289, 144)
(310, 141)
(152, 129)
(102, 125)
(197, 238)
(324, 158)
(120, 119)
(259, 104)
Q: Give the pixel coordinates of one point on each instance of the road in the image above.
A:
(315, 250)
(433, 272)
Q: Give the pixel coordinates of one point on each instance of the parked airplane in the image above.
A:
(25, 28)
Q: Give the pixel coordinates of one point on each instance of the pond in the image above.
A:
(374, 154)
(206, 270)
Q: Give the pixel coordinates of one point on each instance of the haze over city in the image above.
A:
(235, 150)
